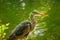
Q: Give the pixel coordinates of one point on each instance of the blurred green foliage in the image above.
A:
(16, 11)
(3, 28)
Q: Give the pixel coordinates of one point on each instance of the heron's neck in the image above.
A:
(33, 20)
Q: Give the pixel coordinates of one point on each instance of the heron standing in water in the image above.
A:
(23, 29)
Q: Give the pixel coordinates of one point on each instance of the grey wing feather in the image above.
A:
(21, 29)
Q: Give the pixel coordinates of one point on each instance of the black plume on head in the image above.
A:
(34, 11)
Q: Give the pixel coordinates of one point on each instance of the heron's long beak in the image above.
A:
(43, 14)
(40, 14)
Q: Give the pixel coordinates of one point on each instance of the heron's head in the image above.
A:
(37, 13)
